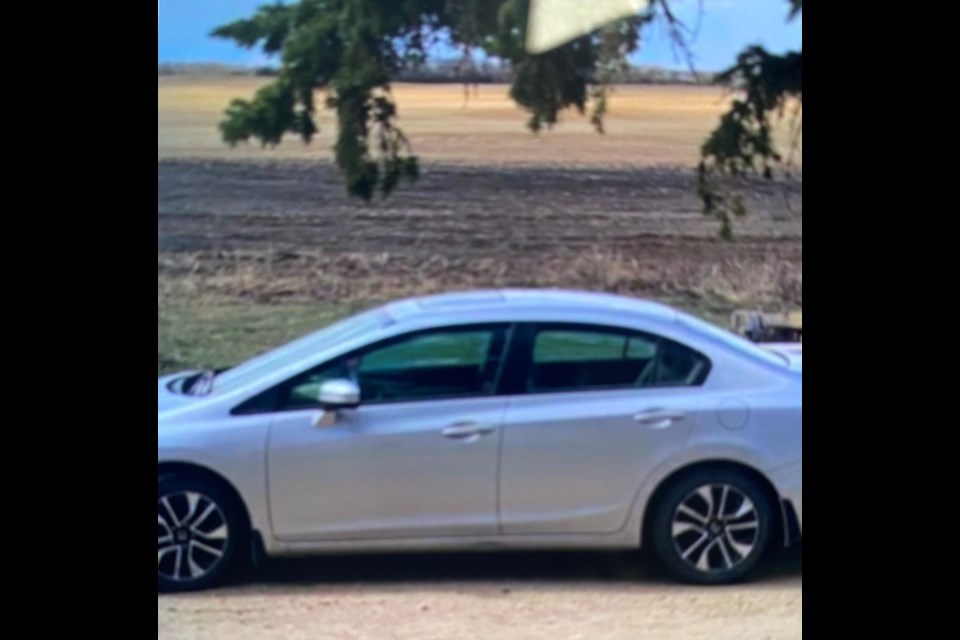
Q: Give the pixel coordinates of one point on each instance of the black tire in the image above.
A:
(190, 533)
(729, 548)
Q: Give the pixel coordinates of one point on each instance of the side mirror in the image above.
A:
(339, 394)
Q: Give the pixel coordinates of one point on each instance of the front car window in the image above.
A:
(430, 365)
(431, 350)
(576, 359)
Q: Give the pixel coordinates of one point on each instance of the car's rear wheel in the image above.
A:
(712, 526)
(199, 529)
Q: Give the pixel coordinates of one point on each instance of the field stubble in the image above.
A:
(284, 231)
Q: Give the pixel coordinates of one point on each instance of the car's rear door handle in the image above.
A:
(659, 418)
(468, 430)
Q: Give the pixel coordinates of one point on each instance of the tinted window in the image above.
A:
(452, 363)
(431, 350)
(578, 346)
(571, 359)
(679, 366)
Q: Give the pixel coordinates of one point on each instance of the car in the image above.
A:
(487, 420)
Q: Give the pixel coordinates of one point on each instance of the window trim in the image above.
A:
(273, 396)
(521, 357)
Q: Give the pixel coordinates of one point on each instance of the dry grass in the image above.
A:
(212, 317)
(646, 125)
(218, 310)
(354, 278)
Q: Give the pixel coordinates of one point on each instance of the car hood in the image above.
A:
(791, 351)
(167, 399)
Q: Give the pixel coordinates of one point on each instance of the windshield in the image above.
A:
(734, 340)
(348, 329)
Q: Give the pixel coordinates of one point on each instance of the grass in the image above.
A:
(219, 335)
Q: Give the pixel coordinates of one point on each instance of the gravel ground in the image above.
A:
(509, 596)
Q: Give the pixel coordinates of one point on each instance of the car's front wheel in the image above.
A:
(198, 532)
(712, 526)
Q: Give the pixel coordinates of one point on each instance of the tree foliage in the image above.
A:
(350, 49)
(768, 85)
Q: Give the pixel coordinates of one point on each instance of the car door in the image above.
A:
(417, 458)
(596, 409)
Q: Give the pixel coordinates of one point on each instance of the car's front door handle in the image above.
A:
(658, 418)
(468, 430)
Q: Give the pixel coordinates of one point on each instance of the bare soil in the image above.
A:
(510, 596)
(284, 228)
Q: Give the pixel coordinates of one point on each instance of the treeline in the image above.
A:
(448, 72)
(209, 69)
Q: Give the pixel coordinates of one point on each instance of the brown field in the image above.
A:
(646, 125)
(495, 206)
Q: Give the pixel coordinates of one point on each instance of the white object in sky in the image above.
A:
(556, 22)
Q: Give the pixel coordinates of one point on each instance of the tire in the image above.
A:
(697, 542)
(200, 531)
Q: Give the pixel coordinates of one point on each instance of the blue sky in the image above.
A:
(726, 27)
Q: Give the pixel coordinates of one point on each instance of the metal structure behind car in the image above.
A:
(768, 327)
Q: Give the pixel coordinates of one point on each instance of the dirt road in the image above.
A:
(502, 596)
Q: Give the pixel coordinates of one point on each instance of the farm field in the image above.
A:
(255, 246)
(646, 125)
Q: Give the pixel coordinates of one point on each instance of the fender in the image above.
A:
(695, 455)
(250, 486)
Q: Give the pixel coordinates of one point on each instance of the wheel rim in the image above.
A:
(715, 528)
(192, 535)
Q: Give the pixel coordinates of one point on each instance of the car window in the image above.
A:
(572, 359)
(450, 363)
(679, 366)
(431, 350)
(578, 346)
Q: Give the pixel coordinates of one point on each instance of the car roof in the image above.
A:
(506, 300)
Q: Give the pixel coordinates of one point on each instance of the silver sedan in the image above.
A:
(516, 419)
